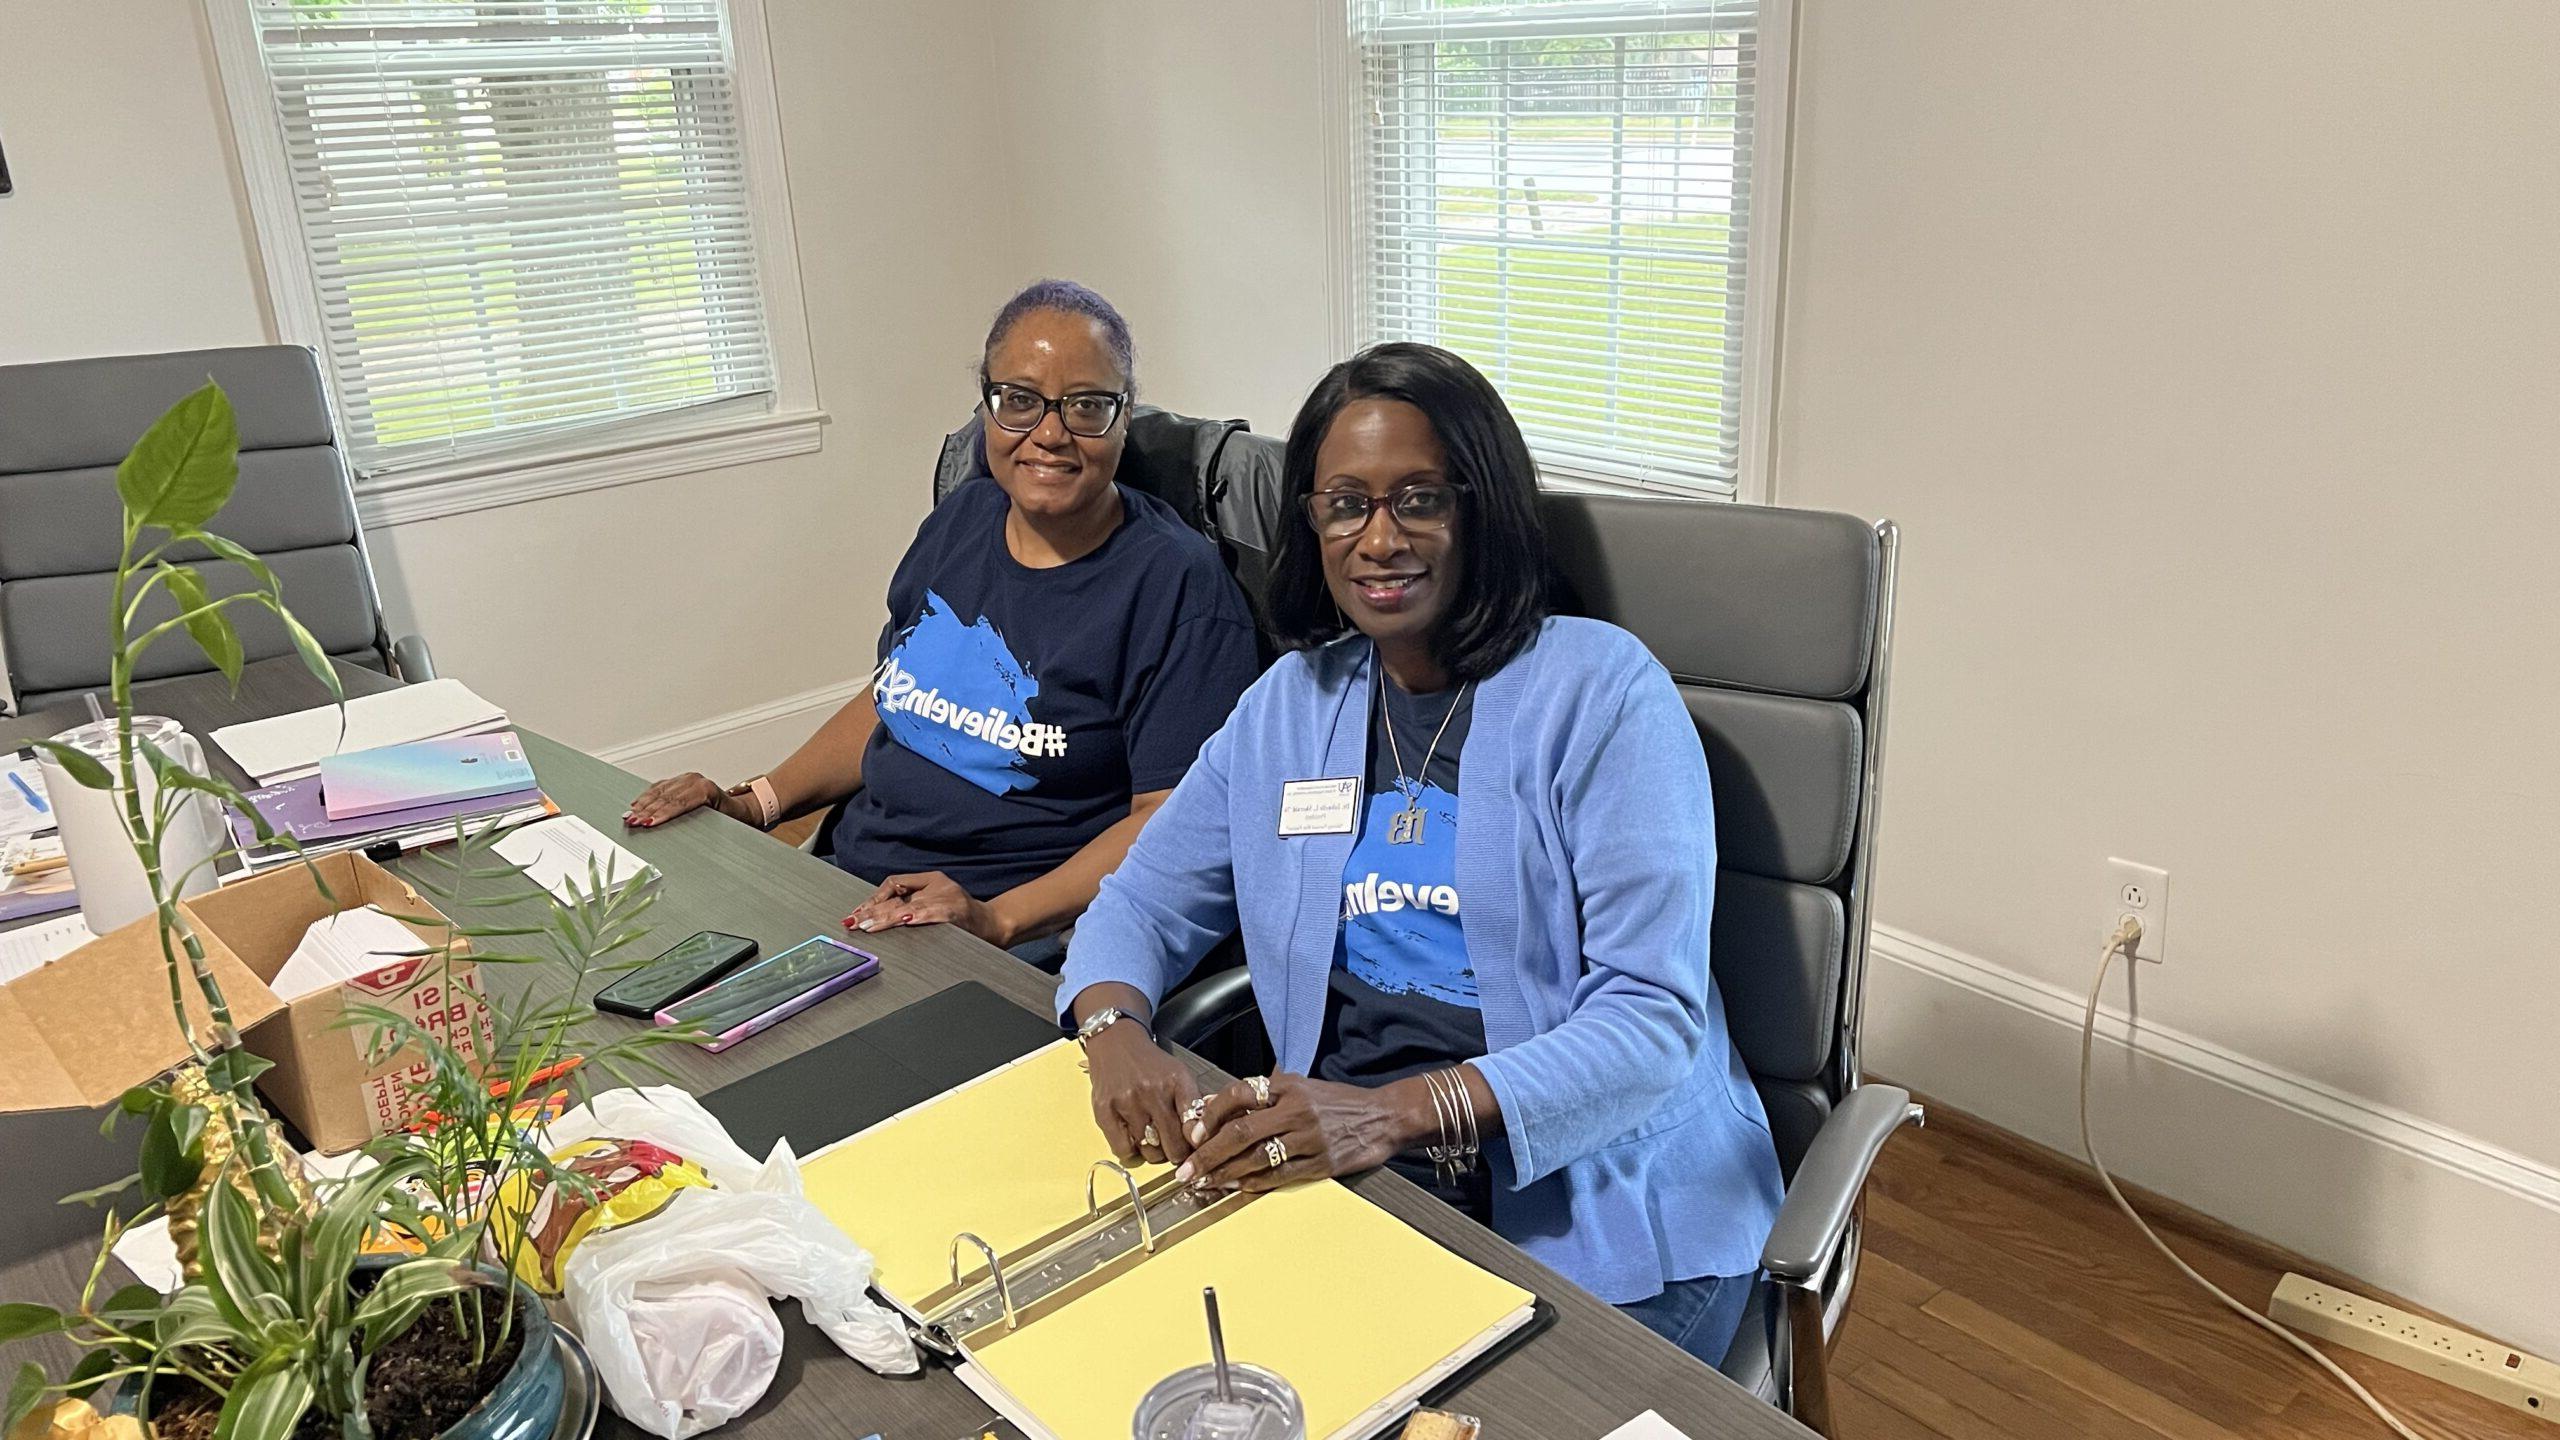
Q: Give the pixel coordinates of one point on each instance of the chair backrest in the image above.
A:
(64, 426)
(1777, 627)
(1220, 477)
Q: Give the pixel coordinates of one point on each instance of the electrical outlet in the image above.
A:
(2510, 1377)
(2141, 891)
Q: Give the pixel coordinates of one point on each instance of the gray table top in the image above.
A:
(1592, 1371)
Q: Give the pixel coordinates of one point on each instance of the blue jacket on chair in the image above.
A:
(1637, 1151)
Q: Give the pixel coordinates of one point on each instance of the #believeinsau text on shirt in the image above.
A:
(955, 694)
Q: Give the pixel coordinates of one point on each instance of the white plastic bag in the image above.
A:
(674, 1308)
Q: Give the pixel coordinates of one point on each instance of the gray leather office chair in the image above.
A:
(64, 426)
(1777, 625)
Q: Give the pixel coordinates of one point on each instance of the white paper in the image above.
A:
(24, 809)
(555, 855)
(1647, 1426)
(339, 948)
(287, 747)
(30, 948)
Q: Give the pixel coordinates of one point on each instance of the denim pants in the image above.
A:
(1700, 1316)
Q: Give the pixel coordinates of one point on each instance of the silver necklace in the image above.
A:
(1406, 827)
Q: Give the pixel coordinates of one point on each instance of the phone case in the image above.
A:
(867, 966)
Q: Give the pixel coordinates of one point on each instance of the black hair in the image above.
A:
(1066, 297)
(1503, 582)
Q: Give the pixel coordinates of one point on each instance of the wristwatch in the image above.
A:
(1103, 1019)
(760, 790)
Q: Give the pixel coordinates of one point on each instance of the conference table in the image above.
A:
(1589, 1372)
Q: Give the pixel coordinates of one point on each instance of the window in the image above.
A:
(513, 227)
(1562, 191)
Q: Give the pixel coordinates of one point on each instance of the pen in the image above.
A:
(30, 792)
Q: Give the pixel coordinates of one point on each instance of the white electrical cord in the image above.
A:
(2128, 934)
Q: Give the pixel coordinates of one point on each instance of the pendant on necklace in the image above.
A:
(1406, 827)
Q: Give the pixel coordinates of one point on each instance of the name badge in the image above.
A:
(1320, 807)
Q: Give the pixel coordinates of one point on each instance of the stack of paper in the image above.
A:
(288, 747)
(294, 810)
(560, 855)
(32, 947)
(33, 878)
(340, 947)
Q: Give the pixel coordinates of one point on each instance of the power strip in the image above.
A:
(2413, 1342)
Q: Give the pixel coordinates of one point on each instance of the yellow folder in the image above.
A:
(1360, 1312)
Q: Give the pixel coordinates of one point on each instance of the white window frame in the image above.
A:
(1764, 278)
(701, 437)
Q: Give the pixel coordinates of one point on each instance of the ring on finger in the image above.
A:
(1276, 1150)
(1147, 1138)
(1261, 1091)
(1192, 1112)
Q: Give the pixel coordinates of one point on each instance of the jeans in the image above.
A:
(1700, 1316)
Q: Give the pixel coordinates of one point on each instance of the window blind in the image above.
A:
(1560, 191)
(523, 217)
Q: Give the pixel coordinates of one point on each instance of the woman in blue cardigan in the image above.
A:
(1471, 851)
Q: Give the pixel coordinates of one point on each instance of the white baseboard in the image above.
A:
(737, 744)
(2446, 1219)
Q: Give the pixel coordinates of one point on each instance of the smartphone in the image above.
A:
(771, 991)
(689, 965)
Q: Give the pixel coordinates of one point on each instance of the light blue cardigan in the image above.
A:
(1638, 1152)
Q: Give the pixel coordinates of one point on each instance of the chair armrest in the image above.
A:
(411, 660)
(1200, 1010)
(1815, 1214)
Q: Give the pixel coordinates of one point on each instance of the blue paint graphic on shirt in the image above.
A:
(1400, 904)
(955, 694)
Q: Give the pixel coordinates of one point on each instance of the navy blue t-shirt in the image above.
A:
(1020, 708)
(1402, 996)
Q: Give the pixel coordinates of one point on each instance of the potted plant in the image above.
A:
(291, 1321)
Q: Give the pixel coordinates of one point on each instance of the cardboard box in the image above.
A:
(78, 1033)
(331, 1078)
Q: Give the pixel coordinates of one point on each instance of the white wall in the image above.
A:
(1205, 221)
(651, 620)
(2261, 295)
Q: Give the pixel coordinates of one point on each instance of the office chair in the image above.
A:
(1777, 626)
(65, 425)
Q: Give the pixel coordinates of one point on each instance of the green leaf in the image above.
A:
(267, 1402)
(191, 1317)
(18, 1322)
(334, 1239)
(210, 627)
(85, 769)
(244, 1282)
(173, 1151)
(404, 1290)
(230, 1069)
(102, 1193)
(237, 554)
(141, 1099)
(93, 1368)
(183, 468)
(133, 1305)
(24, 1392)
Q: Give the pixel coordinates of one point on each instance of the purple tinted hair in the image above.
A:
(1066, 297)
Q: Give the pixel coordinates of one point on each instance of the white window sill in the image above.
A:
(638, 453)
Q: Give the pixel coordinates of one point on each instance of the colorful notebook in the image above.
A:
(1359, 1311)
(426, 772)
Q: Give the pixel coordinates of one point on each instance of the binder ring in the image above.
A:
(1137, 1204)
(995, 1270)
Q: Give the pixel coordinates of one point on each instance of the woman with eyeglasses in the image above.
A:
(1058, 646)
(1471, 850)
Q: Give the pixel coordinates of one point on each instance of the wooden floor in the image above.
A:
(2003, 1295)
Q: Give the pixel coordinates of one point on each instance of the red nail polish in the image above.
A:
(906, 919)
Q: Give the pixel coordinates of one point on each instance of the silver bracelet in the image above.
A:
(1454, 1108)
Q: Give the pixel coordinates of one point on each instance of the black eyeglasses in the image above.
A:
(1020, 409)
(1418, 509)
